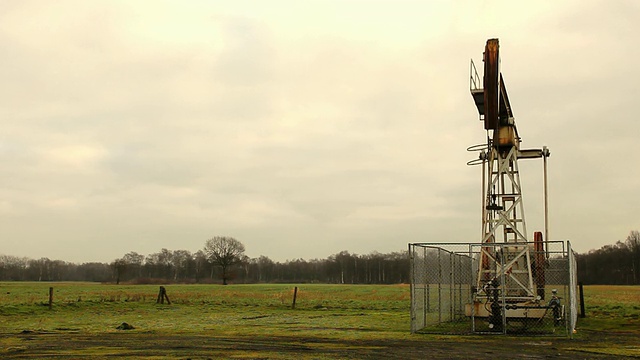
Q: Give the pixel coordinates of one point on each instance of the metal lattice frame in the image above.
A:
(445, 298)
(504, 221)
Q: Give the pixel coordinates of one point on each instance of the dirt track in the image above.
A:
(133, 344)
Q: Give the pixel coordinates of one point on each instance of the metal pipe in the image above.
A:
(483, 156)
(545, 154)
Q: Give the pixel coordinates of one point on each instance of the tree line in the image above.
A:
(222, 260)
(617, 264)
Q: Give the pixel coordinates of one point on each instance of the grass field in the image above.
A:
(258, 322)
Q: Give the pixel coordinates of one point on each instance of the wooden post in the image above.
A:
(295, 295)
(50, 297)
(582, 312)
(162, 295)
(166, 296)
(160, 299)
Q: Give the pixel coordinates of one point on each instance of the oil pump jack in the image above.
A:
(510, 282)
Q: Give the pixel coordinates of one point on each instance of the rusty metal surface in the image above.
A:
(496, 107)
(540, 263)
(491, 84)
(505, 105)
(505, 136)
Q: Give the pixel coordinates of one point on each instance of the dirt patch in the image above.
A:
(66, 345)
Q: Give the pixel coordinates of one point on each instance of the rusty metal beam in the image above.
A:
(505, 106)
(491, 84)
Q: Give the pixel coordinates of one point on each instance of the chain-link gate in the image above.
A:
(454, 291)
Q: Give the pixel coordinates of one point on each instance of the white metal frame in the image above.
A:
(504, 221)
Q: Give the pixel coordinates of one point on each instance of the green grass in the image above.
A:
(611, 309)
(257, 321)
(249, 309)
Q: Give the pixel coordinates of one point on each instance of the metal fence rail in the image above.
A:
(449, 295)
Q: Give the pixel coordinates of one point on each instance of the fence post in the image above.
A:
(162, 295)
(295, 295)
(50, 297)
(582, 312)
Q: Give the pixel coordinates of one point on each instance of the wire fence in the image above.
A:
(524, 289)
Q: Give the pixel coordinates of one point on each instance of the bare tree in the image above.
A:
(225, 252)
(180, 261)
(133, 264)
(633, 243)
(119, 267)
(200, 262)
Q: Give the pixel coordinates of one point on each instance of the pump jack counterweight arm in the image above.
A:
(491, 84)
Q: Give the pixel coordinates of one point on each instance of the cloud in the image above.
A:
(301, 129)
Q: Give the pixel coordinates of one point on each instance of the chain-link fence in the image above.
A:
(507, 288)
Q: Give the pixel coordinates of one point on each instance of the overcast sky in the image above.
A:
(304, 128)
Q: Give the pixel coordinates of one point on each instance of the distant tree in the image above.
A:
(119, 267)
(40, 269)
(12, 267)
(265, 268)
(152, 265)
(127, 267)
(200, 263)
(93, 271)
(181, 260)
(633, 243)
(344, 266)
(164, 261)
(133, 258)
(159, 265)
(616, 264)
(376, 268)
(58, 270)
(399, 267)
(225, 252)
(133, 263)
